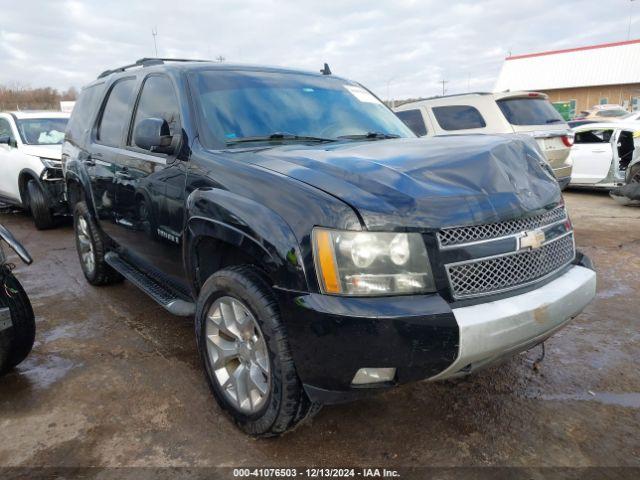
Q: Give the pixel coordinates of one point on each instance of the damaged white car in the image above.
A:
(606, 155)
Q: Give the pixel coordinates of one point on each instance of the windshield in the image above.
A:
(236, 105)
(529, 111)
(42, 131)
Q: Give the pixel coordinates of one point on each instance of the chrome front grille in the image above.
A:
(461, 235)
(508, 271)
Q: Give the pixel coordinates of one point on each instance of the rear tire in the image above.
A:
(17, 340)
(91, 247)
(285, 403)
(39, 206)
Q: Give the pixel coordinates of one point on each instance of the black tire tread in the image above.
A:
(24, 325)
(39, 207)
(103, 273)
(295, 407)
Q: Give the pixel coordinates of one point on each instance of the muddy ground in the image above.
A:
(113, 380)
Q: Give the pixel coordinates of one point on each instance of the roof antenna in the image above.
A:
(326, 70)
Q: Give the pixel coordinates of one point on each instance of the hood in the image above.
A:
(424, 183)
(45, 151)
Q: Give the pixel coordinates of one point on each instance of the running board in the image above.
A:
(171, 301)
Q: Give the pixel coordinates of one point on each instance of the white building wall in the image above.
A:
(608, 65)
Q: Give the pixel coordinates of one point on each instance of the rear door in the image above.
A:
(592, 154)
(106, 148)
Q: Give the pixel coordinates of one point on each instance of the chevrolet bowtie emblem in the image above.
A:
(532, 239)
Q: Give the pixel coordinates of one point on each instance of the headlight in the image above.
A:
(51, 163)
(371, 263)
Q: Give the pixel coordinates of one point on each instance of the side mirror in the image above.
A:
(153, 134)
(5, 140)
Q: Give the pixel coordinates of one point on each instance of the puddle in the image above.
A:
(63, 331)
(44, 373)
(628, 400)
(615, 291)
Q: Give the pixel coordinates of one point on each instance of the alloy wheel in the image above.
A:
(238, 354)
(85, 246)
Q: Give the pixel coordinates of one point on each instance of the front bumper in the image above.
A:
(331, 338)
(495, 330)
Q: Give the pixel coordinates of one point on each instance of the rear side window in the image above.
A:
(593, 136)
(458, 117)
(529, 111)
(115, 115)
(83, 113)
(413, 119)
(158, 100)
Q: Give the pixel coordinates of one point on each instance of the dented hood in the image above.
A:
(424, 183)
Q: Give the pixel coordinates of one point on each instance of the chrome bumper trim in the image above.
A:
(493, 330)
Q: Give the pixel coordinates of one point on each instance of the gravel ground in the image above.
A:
(114, 381)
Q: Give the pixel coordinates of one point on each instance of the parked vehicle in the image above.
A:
(579, 123)
(17, 322)
(609, 112)
(525, 113)
(30, 167)
(325, 252)
(632, 117)
(606, 155)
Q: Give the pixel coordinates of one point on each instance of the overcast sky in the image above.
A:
(399, 48)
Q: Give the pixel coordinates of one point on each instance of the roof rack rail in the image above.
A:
(148, 62)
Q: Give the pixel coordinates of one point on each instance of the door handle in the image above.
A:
(598, 151)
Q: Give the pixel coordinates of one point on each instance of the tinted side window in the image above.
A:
(115, 116)
(5, 128)
(82, 113)
(593, 136)
(158, 100)
(458, 117)
(413, 119)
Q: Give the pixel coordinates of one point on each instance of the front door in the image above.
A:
(9, 163)
(592, 154)
(149, 188)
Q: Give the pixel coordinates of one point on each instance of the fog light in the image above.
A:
(373, 375)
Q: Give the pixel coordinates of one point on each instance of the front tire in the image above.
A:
(39, 206)
(19, 338)
(634, 174)
(245, 354)
(91, 247)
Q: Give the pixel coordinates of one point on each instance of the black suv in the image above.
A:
(324, 250)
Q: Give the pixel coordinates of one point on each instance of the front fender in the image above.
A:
(253, 228)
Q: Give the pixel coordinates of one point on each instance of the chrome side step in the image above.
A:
(168, 298)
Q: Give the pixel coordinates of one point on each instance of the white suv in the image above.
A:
(528, 113)
(30, 166)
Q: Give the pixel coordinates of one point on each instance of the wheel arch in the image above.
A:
(224, 229)
(24, 177)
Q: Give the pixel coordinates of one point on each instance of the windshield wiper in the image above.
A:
(554, 120)
(370, 136)
(279, 136)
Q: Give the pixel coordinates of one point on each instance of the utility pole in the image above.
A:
(220, 59)
(444, 82)
(630, 12)
(154, 33)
